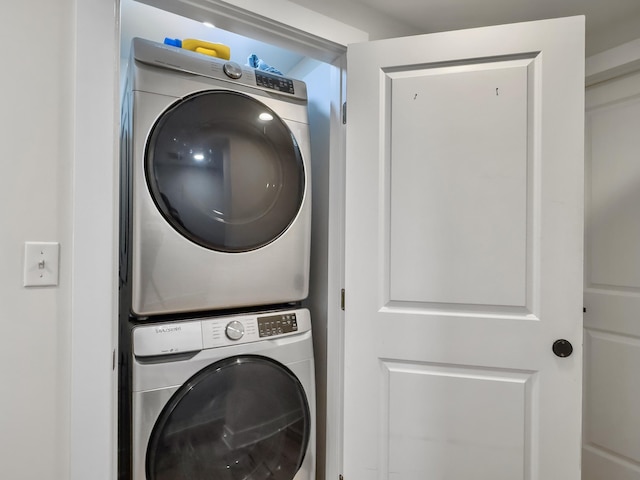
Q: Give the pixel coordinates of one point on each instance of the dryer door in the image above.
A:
(225, 171)
(245, 417)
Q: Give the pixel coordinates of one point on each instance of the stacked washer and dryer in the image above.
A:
(216, 358)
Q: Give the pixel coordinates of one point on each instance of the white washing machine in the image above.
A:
(216, 187)
(224, 398)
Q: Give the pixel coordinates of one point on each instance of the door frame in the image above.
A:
(93, 303)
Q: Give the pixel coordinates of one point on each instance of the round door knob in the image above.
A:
(232, 70)
(562, 348)
(234, 330)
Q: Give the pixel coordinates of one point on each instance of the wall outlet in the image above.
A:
(41, 261)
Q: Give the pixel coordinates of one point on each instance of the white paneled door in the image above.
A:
(464, 230)
(612, 281)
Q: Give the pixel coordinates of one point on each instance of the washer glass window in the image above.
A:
(225, 171)
(244, 417)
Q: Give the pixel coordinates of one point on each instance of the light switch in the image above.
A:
(41, 260)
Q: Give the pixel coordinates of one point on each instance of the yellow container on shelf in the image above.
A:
(201, 46)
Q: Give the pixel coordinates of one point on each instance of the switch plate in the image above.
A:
(41, 261)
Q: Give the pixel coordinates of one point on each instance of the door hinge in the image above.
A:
(342, 299)
(344, 113)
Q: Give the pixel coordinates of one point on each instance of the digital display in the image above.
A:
(275, 82)
(277, 324)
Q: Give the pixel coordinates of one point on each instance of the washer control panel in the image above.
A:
(267, 326)
(277, 324)
(191, 336)
(234, 330)
(167, 339)
(219, 332)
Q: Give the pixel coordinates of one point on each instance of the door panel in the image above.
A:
(486, 411)
(433, 259)
(464, 254)
(612, 281)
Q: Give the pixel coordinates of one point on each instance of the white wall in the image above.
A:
(35, 176)
(612, 253)
(376, 24)
(625, 30)
(57, 133)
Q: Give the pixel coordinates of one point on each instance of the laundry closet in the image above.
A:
(173, 299)
(454, 226)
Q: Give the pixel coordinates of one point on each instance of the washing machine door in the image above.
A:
(225, 171)
(245, 417)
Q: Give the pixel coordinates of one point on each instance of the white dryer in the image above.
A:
(216, 188)
(226, 398)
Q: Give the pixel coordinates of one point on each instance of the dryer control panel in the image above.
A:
(275, 82)
(175, 58)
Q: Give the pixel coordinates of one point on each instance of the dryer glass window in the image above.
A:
(225, 171)
(244, 418)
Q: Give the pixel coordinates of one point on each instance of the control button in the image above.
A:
(234, 330)
(232, 70)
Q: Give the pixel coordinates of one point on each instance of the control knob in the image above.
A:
(234, 330)
(232, 70)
